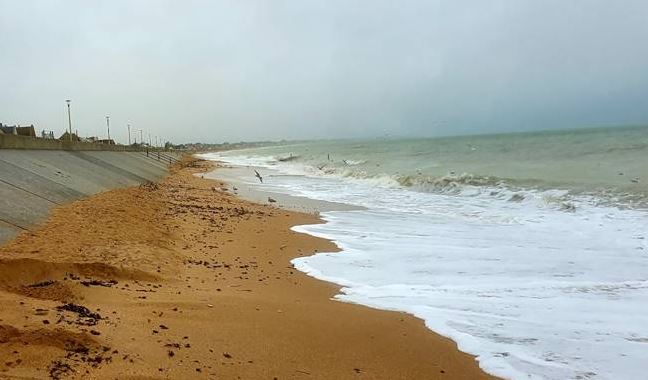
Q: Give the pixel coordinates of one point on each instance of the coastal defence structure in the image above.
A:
(13, 141)
(33, 179)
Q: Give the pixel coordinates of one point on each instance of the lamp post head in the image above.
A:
(68, 101)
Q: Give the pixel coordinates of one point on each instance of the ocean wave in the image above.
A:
(288, 158)
(467, 184)
(448, 183)
(464, 184)
(354, 162)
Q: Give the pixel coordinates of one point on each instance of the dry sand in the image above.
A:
(179, 280)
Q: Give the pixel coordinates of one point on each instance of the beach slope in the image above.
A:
(183, 280)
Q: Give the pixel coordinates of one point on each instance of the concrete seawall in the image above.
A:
(34, 181)
(32, 143)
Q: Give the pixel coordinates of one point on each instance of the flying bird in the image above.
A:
(256, 174)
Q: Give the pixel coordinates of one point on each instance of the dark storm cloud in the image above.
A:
(230, 70)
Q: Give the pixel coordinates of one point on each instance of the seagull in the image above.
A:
(256, 174)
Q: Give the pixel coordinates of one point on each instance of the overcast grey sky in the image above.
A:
(243, 69)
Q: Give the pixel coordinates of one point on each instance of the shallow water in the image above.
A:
(538, 277)
(609, 162)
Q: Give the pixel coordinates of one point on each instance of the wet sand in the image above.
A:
(241, 182)
(182, 280)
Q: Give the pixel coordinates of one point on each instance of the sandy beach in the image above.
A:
(183, 280)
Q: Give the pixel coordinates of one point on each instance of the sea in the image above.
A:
(529, 250)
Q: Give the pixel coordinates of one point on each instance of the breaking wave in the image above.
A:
(465, 184)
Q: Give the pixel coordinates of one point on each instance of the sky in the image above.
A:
(215, 71)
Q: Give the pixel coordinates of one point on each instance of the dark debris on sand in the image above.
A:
(79, 356)
(106, 284)
(85, 316)
(42, 284)
(59, 369)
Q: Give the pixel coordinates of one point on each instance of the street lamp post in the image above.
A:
(141, 138)
(129, 134)
(69, 120)
(108, 126)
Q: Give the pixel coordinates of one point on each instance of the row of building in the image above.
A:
(30, 131)
(17, 130)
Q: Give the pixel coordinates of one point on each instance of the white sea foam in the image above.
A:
(531, 288)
